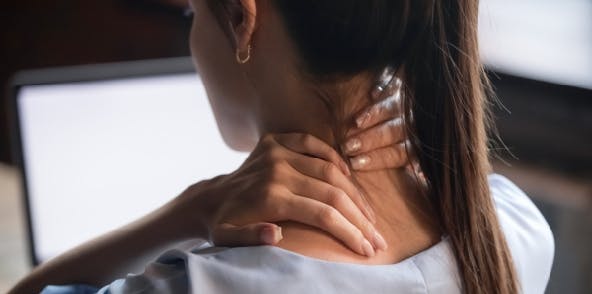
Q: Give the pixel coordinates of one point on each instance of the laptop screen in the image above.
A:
(99, 154)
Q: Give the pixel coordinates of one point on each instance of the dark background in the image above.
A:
(37, 34)
(547, 127)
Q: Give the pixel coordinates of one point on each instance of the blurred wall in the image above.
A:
(36, 34)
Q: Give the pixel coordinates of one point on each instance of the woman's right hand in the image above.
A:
(288, 177)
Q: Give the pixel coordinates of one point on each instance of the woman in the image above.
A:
(273, 67)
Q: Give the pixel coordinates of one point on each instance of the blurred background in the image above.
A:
(538, 54)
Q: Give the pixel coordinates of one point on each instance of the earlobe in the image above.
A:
(244, 31)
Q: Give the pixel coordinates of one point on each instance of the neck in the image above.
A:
(403, 217)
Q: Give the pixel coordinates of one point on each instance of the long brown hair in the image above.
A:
(433, 44)
(447, 86)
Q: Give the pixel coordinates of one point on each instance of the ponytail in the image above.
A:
(445, 86)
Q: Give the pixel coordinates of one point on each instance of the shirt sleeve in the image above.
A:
(69, 289)
(527, 233)
(167, 274)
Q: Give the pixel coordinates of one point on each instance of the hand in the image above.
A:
(378, 139)
(288, 177)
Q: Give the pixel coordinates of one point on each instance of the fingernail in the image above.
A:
(353, 145)
(360, 162)
(271, 235)
(367, 248)
(379, 241)
(362, 119)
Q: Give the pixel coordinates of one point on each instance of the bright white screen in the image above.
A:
(99, 155)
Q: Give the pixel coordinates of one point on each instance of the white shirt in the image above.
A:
(267, 269)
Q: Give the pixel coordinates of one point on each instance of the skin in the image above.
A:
(295, 190)
(403, 218)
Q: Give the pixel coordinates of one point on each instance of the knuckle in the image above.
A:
(267, 192)
(330, 172)
(273, 155)
(267, 142)
(268, 195)
(268, 138)
(271, 190)
(306, 140)
(279, 211)
(278, 167)
(327, 151)
(328, 216)
(336, 197)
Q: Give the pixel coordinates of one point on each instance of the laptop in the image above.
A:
(102, 145)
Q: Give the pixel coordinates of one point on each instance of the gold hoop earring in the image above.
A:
(245, 59)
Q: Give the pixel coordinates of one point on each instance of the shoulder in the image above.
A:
(265, 269)
(527, 233)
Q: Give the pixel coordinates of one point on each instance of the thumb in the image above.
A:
(249, 235)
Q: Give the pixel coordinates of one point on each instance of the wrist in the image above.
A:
(186, 216)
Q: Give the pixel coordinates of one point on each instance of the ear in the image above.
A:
(243, 23)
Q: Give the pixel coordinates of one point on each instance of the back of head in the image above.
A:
(433, 46)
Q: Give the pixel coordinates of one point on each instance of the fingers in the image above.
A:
(381, 158)
(329, 173)
(326, 218)
(375, 142)
(385, 134)
(249, 235)
(337, 198)
(388, 96)
(382, 111)
(313, 146)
